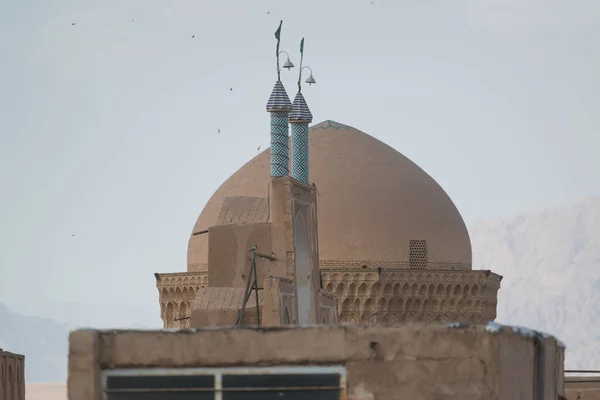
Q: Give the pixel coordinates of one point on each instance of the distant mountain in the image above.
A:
(43, 342)
(100, 315)
(551, 267)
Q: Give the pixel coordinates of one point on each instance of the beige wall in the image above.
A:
(423, 362)
(229, 253)
(577, 388)
(517, 367)
(279, 306)
(12, 376)
(328, 308)
(287, 266)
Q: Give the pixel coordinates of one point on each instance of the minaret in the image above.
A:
(279, 106)
(299, 118)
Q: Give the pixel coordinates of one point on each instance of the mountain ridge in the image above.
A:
(549, 261)
(43, 341)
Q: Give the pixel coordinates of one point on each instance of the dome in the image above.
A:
(372, 202)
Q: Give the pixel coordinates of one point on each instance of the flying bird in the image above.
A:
(218, 130)
(269, 12)
(133, 20)
(72, 23)
(259, 148)
(73, 235)
(193, 36)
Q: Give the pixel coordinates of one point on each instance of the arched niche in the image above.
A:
(302, 272)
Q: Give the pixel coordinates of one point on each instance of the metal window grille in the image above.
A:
(287, 383)
(417, 254)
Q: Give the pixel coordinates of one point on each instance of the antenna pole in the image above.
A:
(300, 72)
(255, 285)
(278, 37)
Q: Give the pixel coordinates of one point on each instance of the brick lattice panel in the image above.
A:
(366, 296)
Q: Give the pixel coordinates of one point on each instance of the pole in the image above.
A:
(255, 285)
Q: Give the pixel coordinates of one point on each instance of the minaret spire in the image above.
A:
(278, 37)
(279, 106)
(299, 118)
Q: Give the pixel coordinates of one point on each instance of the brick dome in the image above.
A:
(372, 202)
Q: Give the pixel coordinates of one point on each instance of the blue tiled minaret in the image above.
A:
(299, 118)
(279, 106)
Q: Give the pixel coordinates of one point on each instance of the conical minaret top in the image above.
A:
(299, 111)
(279, 106)
(279, 100)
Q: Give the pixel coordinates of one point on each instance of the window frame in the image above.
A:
(219, 372)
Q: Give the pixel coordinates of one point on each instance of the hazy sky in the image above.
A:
(108, 128)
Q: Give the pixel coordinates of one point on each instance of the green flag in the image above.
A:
(302, 46)
(278, 31)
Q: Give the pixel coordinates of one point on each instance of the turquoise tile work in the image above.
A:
(300, 151)
(279, 106)
(279, 144)
(299, 118)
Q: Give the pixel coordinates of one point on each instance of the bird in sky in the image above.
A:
(72, 23)
(73, 235)
(259, 148)
(268, 12)
(218, 130)
(193, 36)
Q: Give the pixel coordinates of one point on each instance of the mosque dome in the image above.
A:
(372, 202)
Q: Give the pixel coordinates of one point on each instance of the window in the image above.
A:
(417, 254)
(281, 383)
(159, 387)
(288, 386)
